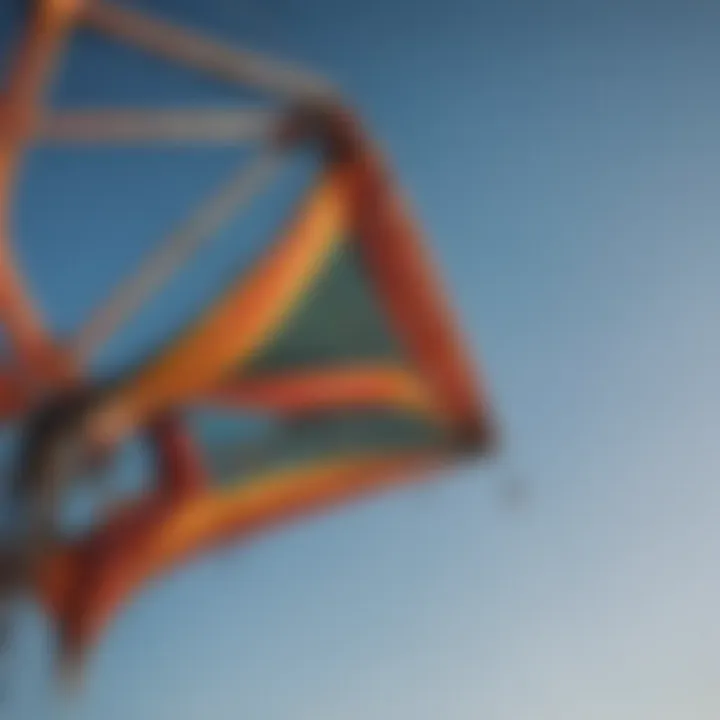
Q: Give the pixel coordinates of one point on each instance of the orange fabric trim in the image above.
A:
(35, 60)
(247, 316)
(402, 273)
(84, 586)
(318, 390)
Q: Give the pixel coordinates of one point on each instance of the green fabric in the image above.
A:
(338, 321)
(315, 439)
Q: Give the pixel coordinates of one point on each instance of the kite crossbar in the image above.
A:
(210, 57)
(91, 127)
(177, 249)
(25, 119)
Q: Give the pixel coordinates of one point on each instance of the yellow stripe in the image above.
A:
(275, 496)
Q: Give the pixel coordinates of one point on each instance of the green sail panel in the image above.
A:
(320, 438)
(338, 321)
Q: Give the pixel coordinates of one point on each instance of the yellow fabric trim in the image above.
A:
(248, 315)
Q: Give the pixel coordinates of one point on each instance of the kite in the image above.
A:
(339, 331)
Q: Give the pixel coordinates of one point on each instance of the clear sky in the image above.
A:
(565, 160)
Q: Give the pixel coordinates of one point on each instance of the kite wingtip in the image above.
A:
(481, 437)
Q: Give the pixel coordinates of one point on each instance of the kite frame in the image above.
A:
(24, 119)
(183, 516)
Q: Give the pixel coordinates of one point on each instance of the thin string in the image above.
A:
(511, 484)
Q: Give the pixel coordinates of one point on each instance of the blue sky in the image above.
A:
(565, 159)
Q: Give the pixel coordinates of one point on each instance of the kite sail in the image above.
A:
(337, 336)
